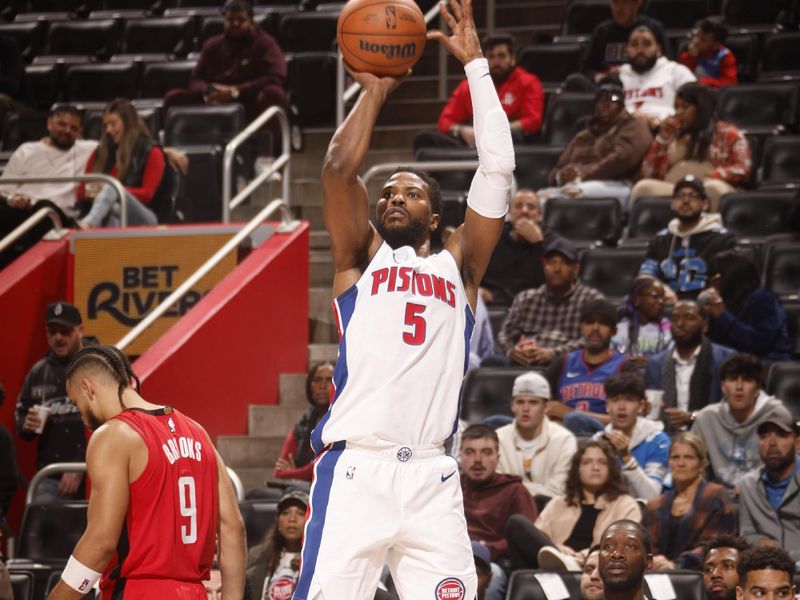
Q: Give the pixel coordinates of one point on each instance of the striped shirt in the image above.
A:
(553, 322)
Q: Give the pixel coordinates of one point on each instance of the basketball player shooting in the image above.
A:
(160, 494)
(384, 492)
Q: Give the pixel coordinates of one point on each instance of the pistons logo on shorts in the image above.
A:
(281, 589)
(450, 589)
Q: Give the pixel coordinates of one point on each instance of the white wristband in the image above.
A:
(78, 576)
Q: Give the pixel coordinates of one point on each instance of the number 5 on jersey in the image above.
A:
(415, 337)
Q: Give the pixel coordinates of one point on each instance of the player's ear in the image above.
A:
(434, 225)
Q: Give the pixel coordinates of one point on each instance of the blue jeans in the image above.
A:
(105, 210)
(498, 584)
(582, 424)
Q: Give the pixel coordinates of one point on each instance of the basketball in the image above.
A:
(383, 37)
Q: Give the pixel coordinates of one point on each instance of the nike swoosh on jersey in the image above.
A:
(446, 477)
(572, 374)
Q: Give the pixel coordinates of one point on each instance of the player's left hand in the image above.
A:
(463, 43)
(69, 484)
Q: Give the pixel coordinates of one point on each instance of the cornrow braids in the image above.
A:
(111, 360)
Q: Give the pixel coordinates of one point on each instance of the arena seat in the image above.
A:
(29, 36)
(780, 163)
(611, 270)
(764, 105)
(783, 382)
(792, 310)
(581, 16)
(19, 128)
(160, 77)
(497, 315)
(100, 82)
(780, 54)
(93, 121)
(534, 163)
(584, 221)
(94, 38)
(21, 584)
(676, 14)
(200, 196)
(487, 391)
(258, 516)
(308, 32)
(781, 271)
(122, 14)
(311, 82)
(551, 63)
(563, 111)
(647, 216)
(453, 207)
(745, 48)
(211, 23)
(212, 125)
(747, 12)
(759, 213)
(171, 35)
(49, 531)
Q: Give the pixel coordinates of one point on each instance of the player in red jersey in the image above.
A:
(160, 494)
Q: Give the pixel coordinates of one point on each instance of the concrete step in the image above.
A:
(320, 301)
(322, 333)
(254, 478)
(292, 391)
(322, 353)
(410, 110)
(249, 451)
(269, 420)
(393, 137)
(320, 240)
(320, 268)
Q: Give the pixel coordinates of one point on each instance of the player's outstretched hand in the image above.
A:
(463, 42)
(384, 83)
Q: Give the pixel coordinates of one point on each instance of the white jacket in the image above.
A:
(653, 92)
(550, 463)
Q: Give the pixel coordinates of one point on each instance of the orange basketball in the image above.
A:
(384, 37)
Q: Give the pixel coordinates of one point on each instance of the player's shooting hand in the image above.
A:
(463, 42)
(69, 484)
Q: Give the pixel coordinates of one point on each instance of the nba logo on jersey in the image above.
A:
(171, 425)
(351, 471)
(450, 589)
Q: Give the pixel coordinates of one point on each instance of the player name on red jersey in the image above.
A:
(182, 447)
(402, 279)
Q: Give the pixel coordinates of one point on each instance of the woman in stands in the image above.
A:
(682, 519)
(643, 329)
(744, 315)
(296, 460)
(694, 142)
(274, 565)
(595, 496)
(127, 152)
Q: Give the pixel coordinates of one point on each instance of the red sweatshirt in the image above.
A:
(520, 94)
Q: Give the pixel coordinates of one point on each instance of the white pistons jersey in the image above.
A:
(404, 332)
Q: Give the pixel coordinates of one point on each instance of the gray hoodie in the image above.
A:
(733, 446)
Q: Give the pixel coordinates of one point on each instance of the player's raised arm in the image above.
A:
(108, 460)
(487, 203)
(345, 202)
(232, 539)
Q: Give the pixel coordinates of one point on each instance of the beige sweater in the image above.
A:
(558, 518)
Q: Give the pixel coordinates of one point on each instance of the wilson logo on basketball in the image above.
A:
(389, 50)
(450, 589)
(391, 17)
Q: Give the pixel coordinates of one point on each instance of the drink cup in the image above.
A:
(43, 412)
(654, 398)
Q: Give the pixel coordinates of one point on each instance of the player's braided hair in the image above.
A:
(111, 360)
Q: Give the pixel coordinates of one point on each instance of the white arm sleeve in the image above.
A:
(491, 187)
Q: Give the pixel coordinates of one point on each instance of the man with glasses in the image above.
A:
(679, 254)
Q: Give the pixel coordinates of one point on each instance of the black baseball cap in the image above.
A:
(601, 308)
(296, 497)
(690, 181)
(563, 247)
(63, 313)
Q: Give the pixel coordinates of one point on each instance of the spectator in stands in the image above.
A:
(650, 79)
(483, 568)
(683, 519)
(729, 427)
(516, 263)
(765, 573)
(520, 94)
(14, 94)
(595, 496)
(545, 321)
(128, 152)
(640, 444)
(643, 330)
(744, 315)
(273, 566)
(591, 587)
(578, 377)
(296, 460)
(532, 446)
(694, 142)
(608, 48)
(679, 254)
(44, 411)
(720, 577)
(769, 511)
(243, 64)
(707, 57)
(688, 375)
(625, 555)
(9, 471)
(602, 159)
(490, 499)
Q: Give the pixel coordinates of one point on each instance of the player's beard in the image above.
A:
(397, 237)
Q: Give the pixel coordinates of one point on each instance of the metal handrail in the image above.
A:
(112, 181)
(433, 165)
(238, 486)
(47, 471)
(31, 222)
(343, 96)
(286, 224)
(282, 162)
